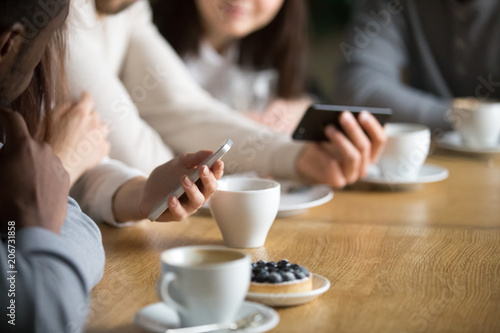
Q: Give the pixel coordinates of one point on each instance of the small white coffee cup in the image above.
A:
(204, 284)
(245, 209)
(406, 151)
(478, 123)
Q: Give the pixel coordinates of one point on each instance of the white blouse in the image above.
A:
(242, 89)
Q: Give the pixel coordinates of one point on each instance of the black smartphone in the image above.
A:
(318, 116)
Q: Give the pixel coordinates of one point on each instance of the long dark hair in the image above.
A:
(281, 45)
(46, 91)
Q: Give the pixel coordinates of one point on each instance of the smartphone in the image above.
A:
(318, 116)
(178, 191)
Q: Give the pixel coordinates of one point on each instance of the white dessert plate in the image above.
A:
(320, 286)
(296, 197)
(452, 141)
(159, 317)
(429, 173)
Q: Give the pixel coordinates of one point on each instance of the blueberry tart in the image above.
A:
(279, 278)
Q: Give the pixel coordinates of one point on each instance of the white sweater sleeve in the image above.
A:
(95, 190)
(133, 141)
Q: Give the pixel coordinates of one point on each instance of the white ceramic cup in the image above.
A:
(406, 151)
(478, 123)
(204, 284)
(245, 209)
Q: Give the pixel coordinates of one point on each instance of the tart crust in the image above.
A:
(296, 286)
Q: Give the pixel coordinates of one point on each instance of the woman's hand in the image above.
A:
(136, 199)
(80, 138)
(34, 190)
(344, 159)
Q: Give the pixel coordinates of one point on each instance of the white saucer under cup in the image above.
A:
(406, 151)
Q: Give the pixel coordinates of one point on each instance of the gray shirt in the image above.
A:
(441, 49)
(55, 274)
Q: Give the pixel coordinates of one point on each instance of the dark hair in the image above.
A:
(281, 45)
(47, 88)
(46, 91)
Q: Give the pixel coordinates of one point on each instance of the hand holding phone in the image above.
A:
(178, 191)
(318, 116)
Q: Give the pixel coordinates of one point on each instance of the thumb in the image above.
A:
(193, 160)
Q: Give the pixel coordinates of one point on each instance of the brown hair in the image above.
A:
(281, 45)
(46, 90)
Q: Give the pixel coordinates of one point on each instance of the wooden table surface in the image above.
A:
(414, 261)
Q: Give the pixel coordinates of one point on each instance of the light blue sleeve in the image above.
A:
(53, 277)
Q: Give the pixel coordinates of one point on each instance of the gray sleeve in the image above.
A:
(374, 54)
(54, 276)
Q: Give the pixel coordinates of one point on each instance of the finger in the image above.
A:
(359, 139)
(376, 133)
(218, 169)
(85, 104)
(14, 126)
(175, 211)
(350, 158)
(195, 198)
(193, 160)
(336, 176)
(209, 182)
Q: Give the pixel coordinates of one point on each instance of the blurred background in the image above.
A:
(328, 19)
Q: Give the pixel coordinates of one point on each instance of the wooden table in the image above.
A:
(416, 261)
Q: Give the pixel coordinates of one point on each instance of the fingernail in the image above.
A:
(363, 116)
(187, 181)
(204, 171)
(347, 116)
(174, 201)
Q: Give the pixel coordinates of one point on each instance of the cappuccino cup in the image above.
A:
(406, 151)
(204, 284)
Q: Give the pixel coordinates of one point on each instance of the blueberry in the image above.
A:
(295, 267)
(288, 276)
(304, 270)
(271, 264)
(261, 263)
(283, 263)
(272, 269)
(274, 278)
(254, 264)
(256, 270)
(262, 276)
(299, 275)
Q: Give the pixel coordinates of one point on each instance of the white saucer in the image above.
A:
(159, 317)
(452, 141)
(296, 197)
(320, 286)
(428, 174)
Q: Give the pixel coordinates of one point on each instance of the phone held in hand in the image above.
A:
(318, 116)
(178, 191)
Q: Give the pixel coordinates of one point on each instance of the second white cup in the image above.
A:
(245, 209)
(406, 151)
(478, 123)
